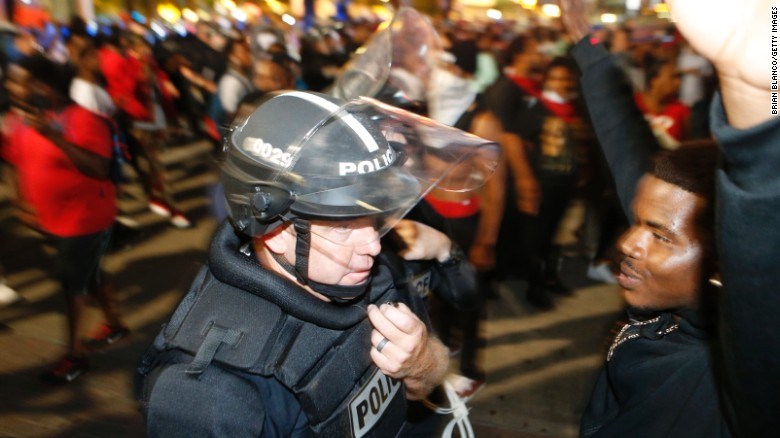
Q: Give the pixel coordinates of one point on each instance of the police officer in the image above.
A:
(299, 325)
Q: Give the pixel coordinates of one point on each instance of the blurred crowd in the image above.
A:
(126, 93)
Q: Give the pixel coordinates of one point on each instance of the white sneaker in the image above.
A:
(8, 295)
(128, 221)
(178, 220)
(601, 273)
(160, 208)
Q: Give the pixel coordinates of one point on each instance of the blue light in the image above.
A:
(139, 17)
(92, 28)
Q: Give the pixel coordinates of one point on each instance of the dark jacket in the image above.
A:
(748, 243)
(659, 383)
(747, 228)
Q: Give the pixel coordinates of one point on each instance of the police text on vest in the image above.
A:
(370, 403)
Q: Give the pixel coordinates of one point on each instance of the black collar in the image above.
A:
(230, 266)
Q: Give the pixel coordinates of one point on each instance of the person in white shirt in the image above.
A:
(85, 88)
(235, 83)
(695, 71)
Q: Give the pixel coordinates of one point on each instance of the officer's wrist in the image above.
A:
(451, 257)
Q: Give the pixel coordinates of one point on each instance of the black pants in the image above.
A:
(78, 260)
(538, 231)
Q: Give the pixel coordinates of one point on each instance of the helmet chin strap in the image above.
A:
(337, 293)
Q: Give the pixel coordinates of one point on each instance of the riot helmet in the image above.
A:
(302, 156)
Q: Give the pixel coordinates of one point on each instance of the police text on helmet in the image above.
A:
(367, 166)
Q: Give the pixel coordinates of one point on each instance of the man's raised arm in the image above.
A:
(742, 43)
(625, 137)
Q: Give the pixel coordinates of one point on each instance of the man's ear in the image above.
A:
(278, 240)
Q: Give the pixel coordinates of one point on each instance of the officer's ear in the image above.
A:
(279, 239)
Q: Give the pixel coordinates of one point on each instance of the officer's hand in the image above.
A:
(423, 242)
(409, 354)
(736, 38)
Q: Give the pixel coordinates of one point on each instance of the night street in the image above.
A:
(540, 365)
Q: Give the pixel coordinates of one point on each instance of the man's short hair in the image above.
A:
(692, 167)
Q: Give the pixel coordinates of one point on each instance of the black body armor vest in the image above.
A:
(240, 316)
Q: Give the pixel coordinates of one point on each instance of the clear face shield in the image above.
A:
(395, 64)
(354, 172)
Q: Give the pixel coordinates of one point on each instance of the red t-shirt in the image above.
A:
(671, 120)
(11, 122)
(66, 202)
(125, 83)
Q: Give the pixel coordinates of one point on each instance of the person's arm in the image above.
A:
(487, 72)
(482, 253)
(198, 80)
(456, 279)
(422, 241)
(738, 43)
(748, 242)
(411, 354)
(529, 194)
(625, 137)
(87, 162)
(167, 88)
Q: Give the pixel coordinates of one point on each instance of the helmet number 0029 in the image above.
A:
(267, 152)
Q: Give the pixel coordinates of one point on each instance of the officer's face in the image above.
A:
(663, 250)
(342, 253)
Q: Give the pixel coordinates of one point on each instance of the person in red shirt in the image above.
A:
(61, 153)
(131, 82)
(667, 116)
